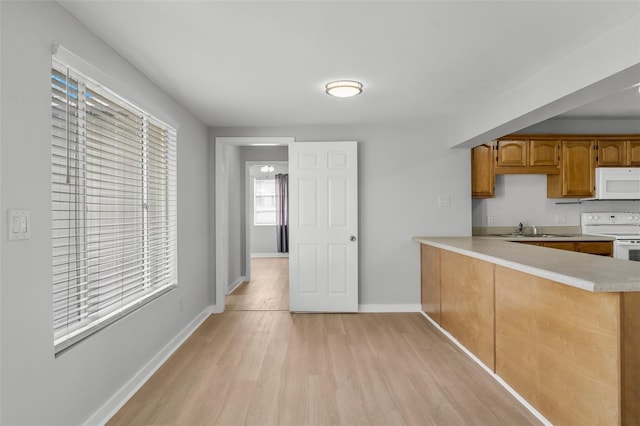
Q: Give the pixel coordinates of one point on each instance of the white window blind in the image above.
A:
(114, 204)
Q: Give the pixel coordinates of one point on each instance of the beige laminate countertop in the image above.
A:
(585, 271)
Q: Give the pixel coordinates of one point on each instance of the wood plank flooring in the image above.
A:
(267, 367)
(268, 289)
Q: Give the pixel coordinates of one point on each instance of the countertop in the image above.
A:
(576, 237)
(585, 271)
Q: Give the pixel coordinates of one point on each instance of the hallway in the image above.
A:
(268, 289)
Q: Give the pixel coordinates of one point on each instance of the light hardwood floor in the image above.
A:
(268, 289)
(275, 368)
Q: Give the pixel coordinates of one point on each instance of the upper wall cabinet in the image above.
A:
(578, 170)
(569, 161)
(482, 173)
(618, 152)
(544, 153)
(527, 154)
(511, 153)
(633, 152)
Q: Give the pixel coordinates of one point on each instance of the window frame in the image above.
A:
(155, 250)
(255, 201)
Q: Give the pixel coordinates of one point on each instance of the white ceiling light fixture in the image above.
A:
(266, 169)
(343, 88)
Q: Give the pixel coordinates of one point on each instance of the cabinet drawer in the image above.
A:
(604, 248)
(561, 245)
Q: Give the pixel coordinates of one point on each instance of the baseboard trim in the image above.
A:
(497, 378)
(111, 407)
(410, 307)
(236, 284)
(269, 254)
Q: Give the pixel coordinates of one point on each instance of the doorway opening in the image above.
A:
(267, 285)
(233, 265)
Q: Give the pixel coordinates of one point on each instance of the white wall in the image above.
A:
(402, 170)
(523, 198)
(586, 126)
(36, 387)
(574, 80)
(235, 172)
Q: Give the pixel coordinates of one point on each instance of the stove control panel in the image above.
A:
(609, 218)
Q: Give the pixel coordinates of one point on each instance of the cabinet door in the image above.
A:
(633, 153)
(561, 245)
(482, 174)
(512, 153)
(430, 281)
(578, 168)
(612, 153)
(544, 153)
(601, 248)
(467, 303)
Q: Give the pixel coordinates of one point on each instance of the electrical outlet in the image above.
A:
(489, 220)
(444, 200)
(561, 218)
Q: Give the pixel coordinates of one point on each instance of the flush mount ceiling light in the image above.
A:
(266, 169)
(343, 88)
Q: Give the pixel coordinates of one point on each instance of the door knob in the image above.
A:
(352, 238)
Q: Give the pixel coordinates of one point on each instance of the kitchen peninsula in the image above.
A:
(560, 328)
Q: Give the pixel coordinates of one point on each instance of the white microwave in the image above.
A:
(618, 183)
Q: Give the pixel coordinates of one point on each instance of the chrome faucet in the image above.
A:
(520, 228)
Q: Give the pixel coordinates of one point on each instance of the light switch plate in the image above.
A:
(18, 224)
(444, 200)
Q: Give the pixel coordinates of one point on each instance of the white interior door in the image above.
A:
(323, 227)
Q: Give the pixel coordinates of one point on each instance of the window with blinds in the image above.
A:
(114, 202)
(264, 203)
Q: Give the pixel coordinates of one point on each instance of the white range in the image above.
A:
(623, 226)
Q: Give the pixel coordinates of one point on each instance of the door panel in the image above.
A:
(337, 201)
(338, 273)
(308, 207)
(323, 216)
(308, 262)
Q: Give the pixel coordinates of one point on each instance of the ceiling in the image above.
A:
(263, 63)
(625, 104)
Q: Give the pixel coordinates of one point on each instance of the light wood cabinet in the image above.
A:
(466, 302)
(527, 154)
(430, 281)
(544, 153)
(618, 151)
(554, 340)
(512, 153)
(612, 153)
(577, 178)
(600, 248)
(560, 245)
(569, 161)
(482, 173)
(633, 152)
(545, 339)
